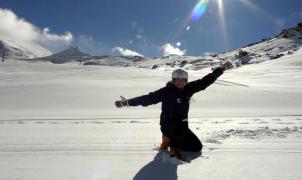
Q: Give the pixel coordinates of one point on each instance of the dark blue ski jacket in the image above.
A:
(175, 101)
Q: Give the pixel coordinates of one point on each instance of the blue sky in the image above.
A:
(147, 27)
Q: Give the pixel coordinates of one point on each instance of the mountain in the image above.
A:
(287, 42)
(18, 50)
(115, 60)
(74, 54)
(71, 54)
(11, 52)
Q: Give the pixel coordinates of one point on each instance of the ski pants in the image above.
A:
(181, 138)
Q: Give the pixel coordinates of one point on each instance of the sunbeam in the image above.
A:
(221, 16)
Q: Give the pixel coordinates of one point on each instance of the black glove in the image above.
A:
(121, 103)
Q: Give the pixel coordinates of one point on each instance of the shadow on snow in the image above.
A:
(162, 167)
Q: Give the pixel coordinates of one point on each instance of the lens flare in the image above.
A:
(188, 28)
(199, 10)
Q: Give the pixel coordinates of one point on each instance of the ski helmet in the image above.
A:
(179, 73)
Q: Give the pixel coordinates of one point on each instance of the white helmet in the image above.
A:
(179, 73)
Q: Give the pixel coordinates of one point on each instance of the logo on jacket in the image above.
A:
(178, 100)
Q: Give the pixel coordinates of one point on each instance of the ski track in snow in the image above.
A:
(221, 130)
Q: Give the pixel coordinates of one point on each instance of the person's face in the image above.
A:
(180, 82)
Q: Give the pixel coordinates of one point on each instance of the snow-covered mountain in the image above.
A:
(285, 43)
(74, 54)
(115, 60)
(18, 50)
(71, 54)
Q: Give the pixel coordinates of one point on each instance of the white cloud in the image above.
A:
(17, 29)
(209, 53)
(90, 45)
(125, 52)
(67, 37)
(168, 49)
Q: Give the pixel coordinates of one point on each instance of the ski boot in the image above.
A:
(177, 153)
(165, 143)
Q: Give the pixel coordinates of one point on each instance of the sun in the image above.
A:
(219, 2)
(200, 10)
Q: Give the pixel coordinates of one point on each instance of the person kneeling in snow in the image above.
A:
(175, 98)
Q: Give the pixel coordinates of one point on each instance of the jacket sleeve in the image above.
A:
(203, 83)
(149, 99)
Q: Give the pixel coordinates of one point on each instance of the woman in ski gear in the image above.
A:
(175, 99)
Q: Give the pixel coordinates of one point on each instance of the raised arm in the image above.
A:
(145, 100)
(203, 83)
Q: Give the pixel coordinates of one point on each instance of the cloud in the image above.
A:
(209, 53)
(90, 45)
(67, 37)
(168, 49)
(125, 52)
(17, 29)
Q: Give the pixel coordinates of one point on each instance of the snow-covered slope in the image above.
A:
(286, 43)
(60, 122)
(18, 50)
(122, 61)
